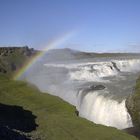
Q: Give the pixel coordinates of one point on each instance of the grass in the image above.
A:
(55, 118)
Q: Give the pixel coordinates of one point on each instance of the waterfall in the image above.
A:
(103, 110)
(71, 82)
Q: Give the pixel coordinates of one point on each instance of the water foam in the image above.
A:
(128, 65)
(95, 71)
(103, 110)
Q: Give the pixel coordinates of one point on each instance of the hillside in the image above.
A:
(12, 58)
(67, 54)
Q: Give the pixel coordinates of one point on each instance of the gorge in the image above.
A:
(97, 86)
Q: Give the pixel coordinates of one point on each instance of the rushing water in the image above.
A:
(98, 89)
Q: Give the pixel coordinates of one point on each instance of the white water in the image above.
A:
(102, 110)
(72, 83)
(96, 70)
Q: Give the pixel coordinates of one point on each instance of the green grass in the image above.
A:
(56, 119)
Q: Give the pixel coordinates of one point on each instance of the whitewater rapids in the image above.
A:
(98, 89)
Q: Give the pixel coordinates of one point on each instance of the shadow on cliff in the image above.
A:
(133, 131)
(14, 119)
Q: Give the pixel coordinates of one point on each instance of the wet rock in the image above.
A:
(133, 105)
(97, 87)
(115, 66)
(77, 113)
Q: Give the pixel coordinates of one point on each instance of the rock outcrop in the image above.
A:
(12, 58)
(133, 105)
(25, 50)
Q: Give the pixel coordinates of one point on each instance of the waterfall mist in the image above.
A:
(97, 86)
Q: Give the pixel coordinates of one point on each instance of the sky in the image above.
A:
(94, 25)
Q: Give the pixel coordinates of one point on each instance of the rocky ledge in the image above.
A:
(12, 58)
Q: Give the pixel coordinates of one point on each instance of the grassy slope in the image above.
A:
(56, 118)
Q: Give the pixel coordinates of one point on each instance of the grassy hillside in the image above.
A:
(47, 117)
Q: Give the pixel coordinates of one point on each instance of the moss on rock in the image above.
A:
(133, 104)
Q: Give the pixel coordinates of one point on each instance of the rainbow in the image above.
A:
(52, 44)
